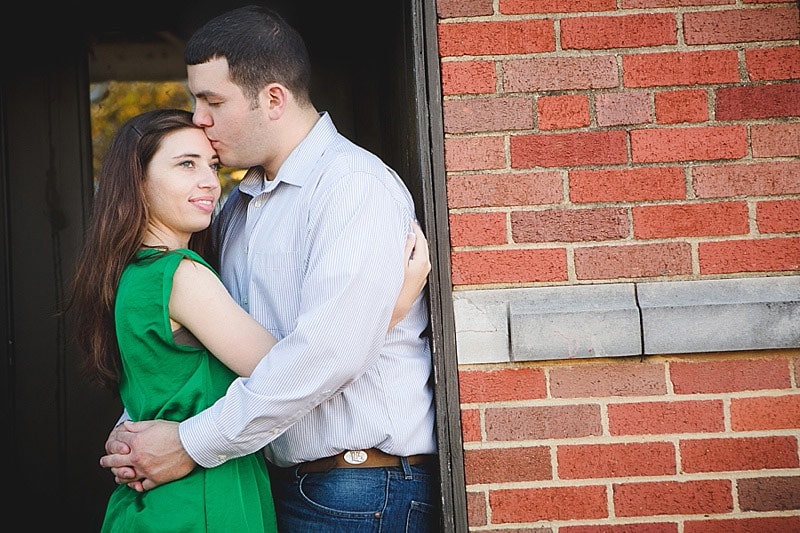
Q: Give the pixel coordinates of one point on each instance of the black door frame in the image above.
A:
(431, 143)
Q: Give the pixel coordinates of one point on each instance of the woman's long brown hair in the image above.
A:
(116, 230)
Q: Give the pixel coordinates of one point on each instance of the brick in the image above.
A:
(760, 255)
(759, 101)
(543, 422)
(769, 494)
(628, 4)
(509, 266)
(759, 179)
(680, 68)
(470, 425)
(524, 7)
(615, 379)
(778, 216)
(563, 111)
(531, 463)
(766, 64)
(627, 184)
(690, 220)
(488, 114)
(733, 454)
(463, 8)
(474, 153)
(496, 38)
(674, 107)
(633, 261)
(661, 418)
(468, 77)
(765, 413)
(673, 498)
(647, 527)
(734, 375)
(617, 109)
(616, 460)
(560, 73)
(569, 225)
(778, 524)
(796, 363)
(740, 26)
(688, 144)
(569, 149)
(627, 31)
(548, 503)
(775, 140)
(501, 190)
(476, 509)
(477, 229)
(501, 385)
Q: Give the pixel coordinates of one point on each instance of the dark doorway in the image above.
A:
(375, 72)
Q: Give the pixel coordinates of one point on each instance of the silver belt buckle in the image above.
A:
(355, 457)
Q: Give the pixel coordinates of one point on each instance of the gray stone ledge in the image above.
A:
(614, 320)
(720, 315)
(576, 322)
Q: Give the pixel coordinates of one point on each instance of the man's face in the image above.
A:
(227, 116)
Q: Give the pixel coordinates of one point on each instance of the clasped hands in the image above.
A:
(144, 455)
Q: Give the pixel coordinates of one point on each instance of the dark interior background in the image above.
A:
(54, 423)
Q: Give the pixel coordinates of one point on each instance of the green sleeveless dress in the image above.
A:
(163, 379)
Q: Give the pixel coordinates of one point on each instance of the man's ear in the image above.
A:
(273, 99)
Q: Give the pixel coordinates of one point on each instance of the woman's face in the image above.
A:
(181, 188)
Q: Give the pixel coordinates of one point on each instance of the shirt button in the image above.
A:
(222, 457)
(257, 203)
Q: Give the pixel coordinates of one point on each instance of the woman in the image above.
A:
(158, 325)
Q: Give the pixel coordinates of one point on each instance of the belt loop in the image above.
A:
(406, 468)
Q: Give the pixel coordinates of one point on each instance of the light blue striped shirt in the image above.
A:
(316, 256)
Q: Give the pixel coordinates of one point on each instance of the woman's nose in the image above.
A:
(210, 180)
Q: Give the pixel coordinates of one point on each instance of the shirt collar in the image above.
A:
(298, 167)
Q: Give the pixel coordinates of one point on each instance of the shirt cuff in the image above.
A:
(202, 442)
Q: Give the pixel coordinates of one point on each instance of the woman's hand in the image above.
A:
(417, 268)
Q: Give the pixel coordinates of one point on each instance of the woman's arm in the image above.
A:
(200, 303)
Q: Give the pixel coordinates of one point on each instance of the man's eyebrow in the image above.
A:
(206, 94)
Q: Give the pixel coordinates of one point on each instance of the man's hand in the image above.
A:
(146, 454)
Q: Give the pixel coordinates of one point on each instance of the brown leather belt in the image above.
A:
(370, 458)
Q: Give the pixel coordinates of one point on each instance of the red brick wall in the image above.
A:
(578, 131)
(597, 141)
(706, 443)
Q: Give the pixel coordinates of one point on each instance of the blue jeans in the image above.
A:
(398, 499)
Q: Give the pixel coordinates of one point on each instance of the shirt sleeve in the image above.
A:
(351, 278)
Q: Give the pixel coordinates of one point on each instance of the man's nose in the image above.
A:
(201, 118)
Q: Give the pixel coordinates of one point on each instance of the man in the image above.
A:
(311, 245)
